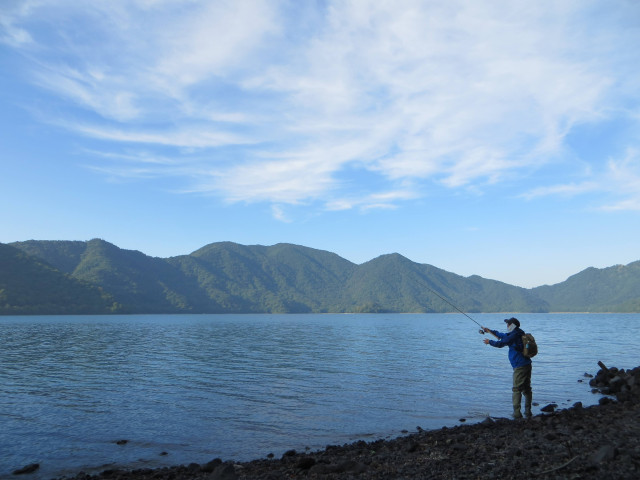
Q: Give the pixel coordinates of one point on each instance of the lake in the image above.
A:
(190, 388)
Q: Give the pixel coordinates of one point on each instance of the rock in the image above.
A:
(224, 472)
(289, 453)
(109, 472)
(122, 442)
(549, 408)
(348, 466)
(604, 454)
(28, 469)
(616, 383)
(412, 447)
(211, 466)
(305, 463)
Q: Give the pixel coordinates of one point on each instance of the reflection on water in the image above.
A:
(234, 386)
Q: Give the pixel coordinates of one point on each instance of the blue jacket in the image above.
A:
(514, 341)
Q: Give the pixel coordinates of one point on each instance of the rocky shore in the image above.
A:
(601, 441)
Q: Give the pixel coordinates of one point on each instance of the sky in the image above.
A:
(493, 138)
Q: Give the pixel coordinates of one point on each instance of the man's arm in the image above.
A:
(505, 339)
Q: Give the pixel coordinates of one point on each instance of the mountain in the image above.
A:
(612, 289)
(281, 278)
(395, 283)
(29, 285)
(226, 277)
(141, 284)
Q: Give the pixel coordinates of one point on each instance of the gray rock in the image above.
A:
(616, 383)
(604, 454)
(224, 472)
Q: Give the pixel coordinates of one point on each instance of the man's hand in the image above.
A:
(486, 341)
(487, 330)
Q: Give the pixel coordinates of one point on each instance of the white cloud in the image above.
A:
(196, 137)
(619, 181)
(463, 93)
(10, 13)
(277, 211)
(377, 201)
(569, 190)
(624, 177)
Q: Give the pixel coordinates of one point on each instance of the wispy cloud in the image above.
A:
(568, 190)
(624, 176)
(618, 181)
(460, 93)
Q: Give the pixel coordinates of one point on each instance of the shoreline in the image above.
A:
(600, 441)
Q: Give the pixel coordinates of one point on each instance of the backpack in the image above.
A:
(530, 347)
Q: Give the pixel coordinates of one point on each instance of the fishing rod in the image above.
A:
(481, 331)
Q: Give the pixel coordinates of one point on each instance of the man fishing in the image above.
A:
(521, 364)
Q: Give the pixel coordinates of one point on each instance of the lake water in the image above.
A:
(242, 386)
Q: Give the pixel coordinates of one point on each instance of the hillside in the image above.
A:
(612, 289)
(226, 277)
(395, 283)
(31, 286)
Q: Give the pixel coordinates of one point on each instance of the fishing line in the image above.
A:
(447, 301)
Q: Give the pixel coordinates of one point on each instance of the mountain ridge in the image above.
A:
(227, 277)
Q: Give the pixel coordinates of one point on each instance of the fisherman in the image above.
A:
(521, 364)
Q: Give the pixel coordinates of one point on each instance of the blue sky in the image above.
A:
(497, 138)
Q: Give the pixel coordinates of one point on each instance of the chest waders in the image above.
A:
(522, 386)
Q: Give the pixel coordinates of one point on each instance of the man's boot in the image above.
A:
(517, 398)
(528, 398)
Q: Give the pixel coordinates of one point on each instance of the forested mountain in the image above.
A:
(395, 283)
(225, 277)
(612, 289)
(30, 286)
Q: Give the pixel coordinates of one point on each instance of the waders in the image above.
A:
(522, 386)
